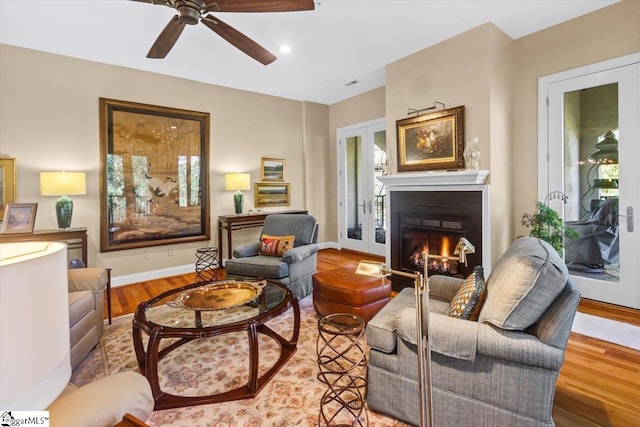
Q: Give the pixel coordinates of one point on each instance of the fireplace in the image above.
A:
(432, 219)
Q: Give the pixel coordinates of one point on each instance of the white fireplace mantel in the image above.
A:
(436, 178)
(445, 181)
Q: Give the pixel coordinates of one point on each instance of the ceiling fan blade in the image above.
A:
(239, 40)
(162, 2)
(167, 38)
(258, 5)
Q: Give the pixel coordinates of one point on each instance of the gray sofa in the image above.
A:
(499, 370)
(296, 266)
(86, 310)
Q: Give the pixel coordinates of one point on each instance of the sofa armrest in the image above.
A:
(518, 347)
(247, 250)
(102, 403)
(299, 253)
(88, 279)
(450, 336)
(444, 287)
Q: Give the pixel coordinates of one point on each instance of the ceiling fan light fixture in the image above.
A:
(285, 49)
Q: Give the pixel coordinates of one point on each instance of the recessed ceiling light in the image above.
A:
(285, 49)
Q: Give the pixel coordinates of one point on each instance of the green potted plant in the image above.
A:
(547, 225)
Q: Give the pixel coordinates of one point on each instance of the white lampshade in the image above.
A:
(63, 183)
(35, 362)
(238, 181)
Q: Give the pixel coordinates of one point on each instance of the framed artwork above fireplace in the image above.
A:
(433, 141)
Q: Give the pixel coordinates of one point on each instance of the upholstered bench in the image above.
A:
(346, 292)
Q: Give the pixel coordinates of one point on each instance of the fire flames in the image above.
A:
(439, 266)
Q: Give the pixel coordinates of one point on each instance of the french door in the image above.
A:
(362, 159)
(589, 152)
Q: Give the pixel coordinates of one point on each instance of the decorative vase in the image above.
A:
(471, 154)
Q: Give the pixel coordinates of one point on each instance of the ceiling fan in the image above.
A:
(190, 12)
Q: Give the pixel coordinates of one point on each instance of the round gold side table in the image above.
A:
(342, 362)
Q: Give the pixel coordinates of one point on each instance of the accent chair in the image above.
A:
(498, 370)
(287, 252)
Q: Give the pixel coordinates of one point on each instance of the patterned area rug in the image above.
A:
(291, 398)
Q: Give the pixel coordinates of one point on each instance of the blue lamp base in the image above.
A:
(238, 201)
(64, 210)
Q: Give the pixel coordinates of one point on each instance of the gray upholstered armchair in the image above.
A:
(295, 267)
(499, 370)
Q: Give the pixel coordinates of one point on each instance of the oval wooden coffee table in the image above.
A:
(204, 310)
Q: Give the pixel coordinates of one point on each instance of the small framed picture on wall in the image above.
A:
(271, 169)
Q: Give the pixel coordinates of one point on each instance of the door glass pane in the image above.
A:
(591, 181)
(379, 169)
(354, 204)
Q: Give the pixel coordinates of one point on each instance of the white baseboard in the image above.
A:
(128, 279)
(328, 245)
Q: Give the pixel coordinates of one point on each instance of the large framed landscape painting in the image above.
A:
(433, 141)
(154, 175)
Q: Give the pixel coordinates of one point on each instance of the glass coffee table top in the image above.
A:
(214, 303)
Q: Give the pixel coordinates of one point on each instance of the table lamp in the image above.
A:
(421, 283)
(238, 181)
(63, 184)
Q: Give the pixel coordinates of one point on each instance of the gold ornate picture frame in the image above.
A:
(432, 141)
(271, 169)
(271, 194)
(7, 183)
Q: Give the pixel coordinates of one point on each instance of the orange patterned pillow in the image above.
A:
(276, 245)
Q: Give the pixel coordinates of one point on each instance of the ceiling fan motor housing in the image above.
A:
(189, 11)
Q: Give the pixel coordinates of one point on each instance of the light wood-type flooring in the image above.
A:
(599, 384)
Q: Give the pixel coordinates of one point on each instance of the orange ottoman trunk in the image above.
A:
(343, 292)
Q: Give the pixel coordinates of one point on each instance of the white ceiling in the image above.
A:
(340, 41)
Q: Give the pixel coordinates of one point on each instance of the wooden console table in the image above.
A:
(75, 238)
(238, 222)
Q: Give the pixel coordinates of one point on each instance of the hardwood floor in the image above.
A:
(599, 384)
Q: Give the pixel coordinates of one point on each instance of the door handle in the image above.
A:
(369, 207)
(364, 207)
(629, 217)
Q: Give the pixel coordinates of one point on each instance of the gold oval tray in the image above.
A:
(219, 296)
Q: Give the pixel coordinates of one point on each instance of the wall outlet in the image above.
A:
(170, 252)
(147, 255)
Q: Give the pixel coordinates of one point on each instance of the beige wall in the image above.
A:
(472, 69)
(605, 34)
(49, 121)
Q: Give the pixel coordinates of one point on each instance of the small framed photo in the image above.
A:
(433, 141)
(271, 194)
(19, 218)
(271, 169)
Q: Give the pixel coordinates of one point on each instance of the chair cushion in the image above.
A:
(525, 281)
(276, 245)
(268, 267)
(467, 302)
